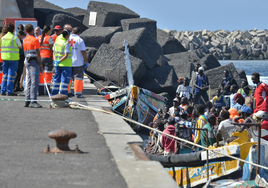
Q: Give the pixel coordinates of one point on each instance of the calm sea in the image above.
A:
(250, 66)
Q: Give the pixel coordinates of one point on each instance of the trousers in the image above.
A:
(32, 79)
(9, 73)
(77, 76)
(61, 80)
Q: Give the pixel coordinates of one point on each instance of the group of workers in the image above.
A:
(37, 54)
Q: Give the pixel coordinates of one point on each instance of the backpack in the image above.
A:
(183, 132)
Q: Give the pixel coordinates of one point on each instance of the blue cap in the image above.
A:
(246, 109)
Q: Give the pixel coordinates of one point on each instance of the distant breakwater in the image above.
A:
(225, 45)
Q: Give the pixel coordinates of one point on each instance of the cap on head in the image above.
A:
(57, 27)
(201, 68)
(171, 120)
(176, 99)
(246, 109)
(237, 97)
(260, 114)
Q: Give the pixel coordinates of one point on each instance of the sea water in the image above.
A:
(250, 66)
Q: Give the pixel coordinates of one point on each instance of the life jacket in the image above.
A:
(44, 48)
(9, 48)
(59, 49)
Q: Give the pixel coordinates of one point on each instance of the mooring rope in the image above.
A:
(171, 136)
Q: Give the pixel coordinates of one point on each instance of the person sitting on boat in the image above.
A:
(235, 116)
(169, 144)
(244, 89)
(209, 126)
(184, 103)
(239, 102)
(202, 120)
(185, 90)
(219, 100)
(183, 132)
(209, 106)
(176, 105)
(226, 83)
(233, 90)
(225, 129)
(263, 119)
(260, 94)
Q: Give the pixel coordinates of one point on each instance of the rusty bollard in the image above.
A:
(62, 138)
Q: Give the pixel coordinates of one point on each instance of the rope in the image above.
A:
(171, 136)
(23, 100)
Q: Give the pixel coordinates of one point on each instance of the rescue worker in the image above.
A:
(80, 61)
(33, 66)
(57, 32)
(10, 45)
(62, 53)
(46, 45)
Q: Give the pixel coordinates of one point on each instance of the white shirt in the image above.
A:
(77, 45)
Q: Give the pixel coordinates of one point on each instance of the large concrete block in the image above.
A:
(215, 75)
(134, 23)
(62, 19)
(96, 36)
(26, 8)
(162, 79)
(109, 63)
(169, 44)
(79, 13)
(209, 62)
(91, 51)
(108, 14)
(141, 45)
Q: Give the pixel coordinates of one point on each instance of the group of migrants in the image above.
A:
(221, 115)
(46, 60)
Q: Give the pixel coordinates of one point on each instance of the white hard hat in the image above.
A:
(201, 68)
(260, 114)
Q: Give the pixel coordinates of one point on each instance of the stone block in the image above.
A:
(141, 45)
(108, 14)
(134, 23)
(263, 47)
(96, 36)
(215, 75)
(109, 63)
(168, 43)
(246, 34)
(79, 13)
(26, 8)
(256, 51)
(162, 79)
(234, 55)
(162, 61)
(91, 51)
(62, 19)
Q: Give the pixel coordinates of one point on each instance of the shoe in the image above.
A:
(3, 94)
(80, 96)
(27, 103)
(12, 94)
(35, 105)
(70, 95)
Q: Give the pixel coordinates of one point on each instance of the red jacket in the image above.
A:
(261, 97)
(169, 144)
(264, 125)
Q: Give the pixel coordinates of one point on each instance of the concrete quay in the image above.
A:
(109, 161)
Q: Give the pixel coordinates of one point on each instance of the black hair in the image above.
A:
(10, 27)
(200, 108)
(234, 86)
(76, 30)
(65, 33)
(159, 124)
(45, 30)
(256, 75)
(29, 28)
(20, 27)
(225, 114)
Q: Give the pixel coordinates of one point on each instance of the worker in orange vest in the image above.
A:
(33, 66)
(80, 61)
(46, 45)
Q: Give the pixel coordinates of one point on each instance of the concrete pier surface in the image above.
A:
(109, 161)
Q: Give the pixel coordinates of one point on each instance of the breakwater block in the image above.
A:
(110, 63)
(108, 14)
(141, 45)
(169, 43)
(134, 23)
(62, 19)
(95, 36)
(162, 79)
(91, 51)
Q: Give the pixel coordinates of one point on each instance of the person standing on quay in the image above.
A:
(79, 58)
(33, 66)
(10, 45)
(57, 32)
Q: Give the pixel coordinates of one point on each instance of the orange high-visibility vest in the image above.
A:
(30, 44)
(44, 48)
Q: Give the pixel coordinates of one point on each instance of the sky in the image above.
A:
(193, 15)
